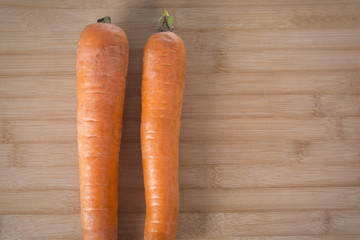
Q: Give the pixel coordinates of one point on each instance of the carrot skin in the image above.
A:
(102, 59)
(162, 97)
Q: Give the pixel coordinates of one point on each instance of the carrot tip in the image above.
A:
(106, 19)
(165, 23)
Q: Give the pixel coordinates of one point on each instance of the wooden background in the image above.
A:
(270, 138)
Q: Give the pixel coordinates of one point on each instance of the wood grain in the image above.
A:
(270, 134)
(193, 130)
(341, 83)
(6, 155)
(243, 226)
(39, 202)
(191, 200)
(255, 39)
(37, 154)
(313, 237)
(227, 176)
(204, 62)
(194, 107)
(253, 199)
(219, 106)
(254, 176)
(40, 227)
(194, 153)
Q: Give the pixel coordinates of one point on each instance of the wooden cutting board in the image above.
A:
(270, 138)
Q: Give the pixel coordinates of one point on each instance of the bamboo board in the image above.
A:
(270, 137)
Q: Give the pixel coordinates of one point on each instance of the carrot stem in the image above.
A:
(106, 19)
(165, 23)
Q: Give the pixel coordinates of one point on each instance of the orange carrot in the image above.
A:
(102, 60)
(162, 96)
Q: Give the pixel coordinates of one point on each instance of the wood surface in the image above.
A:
(270, 134)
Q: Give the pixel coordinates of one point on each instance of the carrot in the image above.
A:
(162, 96)
(102, 60)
